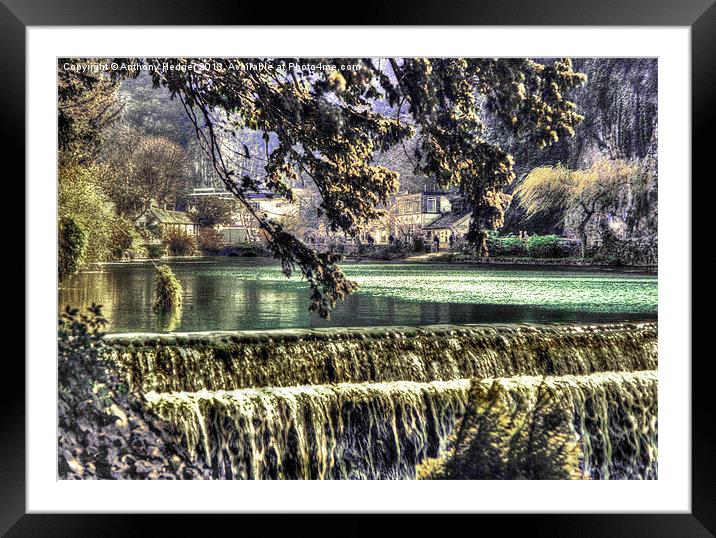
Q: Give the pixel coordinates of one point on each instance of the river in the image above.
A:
(252, 293)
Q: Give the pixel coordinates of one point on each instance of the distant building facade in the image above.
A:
(160, 221)
(449, 229)
(416, 216)
(416, 211)
(244, 227)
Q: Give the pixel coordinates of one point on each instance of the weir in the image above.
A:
(373, 403)
(614, 415)
(283, 358)
(383, 431)
(346, 431)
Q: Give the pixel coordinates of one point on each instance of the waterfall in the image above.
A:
(383, 430)
(373, 403)
(283, 358)
(344, 431)
(614, 417)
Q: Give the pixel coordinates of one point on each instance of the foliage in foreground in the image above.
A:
(168, 290)
(86, 105)
(104, 430)
(506, 438)
(71, 244)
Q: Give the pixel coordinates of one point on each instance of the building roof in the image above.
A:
(223, 193)
(448, 220)
(169, 216)
(423, 193)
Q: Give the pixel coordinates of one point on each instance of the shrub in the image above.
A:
(508, 437)
(244, 251)
(394, 251)
(154, 250)
(126, 240)
(79, 197)
(104, 430)
(548, 246)
(419, 244)
(179, 243)
(606, 259)
(211, 241)
(506, 246)
(71, 246)
(168, 290)
(536, 246)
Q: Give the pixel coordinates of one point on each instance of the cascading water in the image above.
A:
(284, 358)
(613, 414)
(384, 430)
(371, 430)
(374, 403)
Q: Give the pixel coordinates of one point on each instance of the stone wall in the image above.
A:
(638, 251)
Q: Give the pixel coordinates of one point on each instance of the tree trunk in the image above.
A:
(582, 229)
(481, 245)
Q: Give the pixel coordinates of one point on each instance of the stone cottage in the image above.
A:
(160, 221)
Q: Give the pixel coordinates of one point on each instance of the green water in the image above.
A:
(244, 294)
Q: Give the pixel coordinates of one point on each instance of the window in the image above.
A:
(432, 205)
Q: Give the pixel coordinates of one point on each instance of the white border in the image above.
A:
(670, 493)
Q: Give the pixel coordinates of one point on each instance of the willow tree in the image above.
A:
(581, 194)
(326, 120)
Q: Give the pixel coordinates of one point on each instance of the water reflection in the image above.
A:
(236, 294)
(169, 321)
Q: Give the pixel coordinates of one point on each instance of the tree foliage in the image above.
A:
(168, 290)
(87, 104)
(142, 168)
(325, 124)
(619, 102)
(212, 210)
(503, 437)
(71, 246)
(179, 243)
(581, 194)
(82, 199)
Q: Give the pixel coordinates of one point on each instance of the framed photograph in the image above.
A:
(411, 268)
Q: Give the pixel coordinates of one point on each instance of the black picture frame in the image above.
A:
(700, 15)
